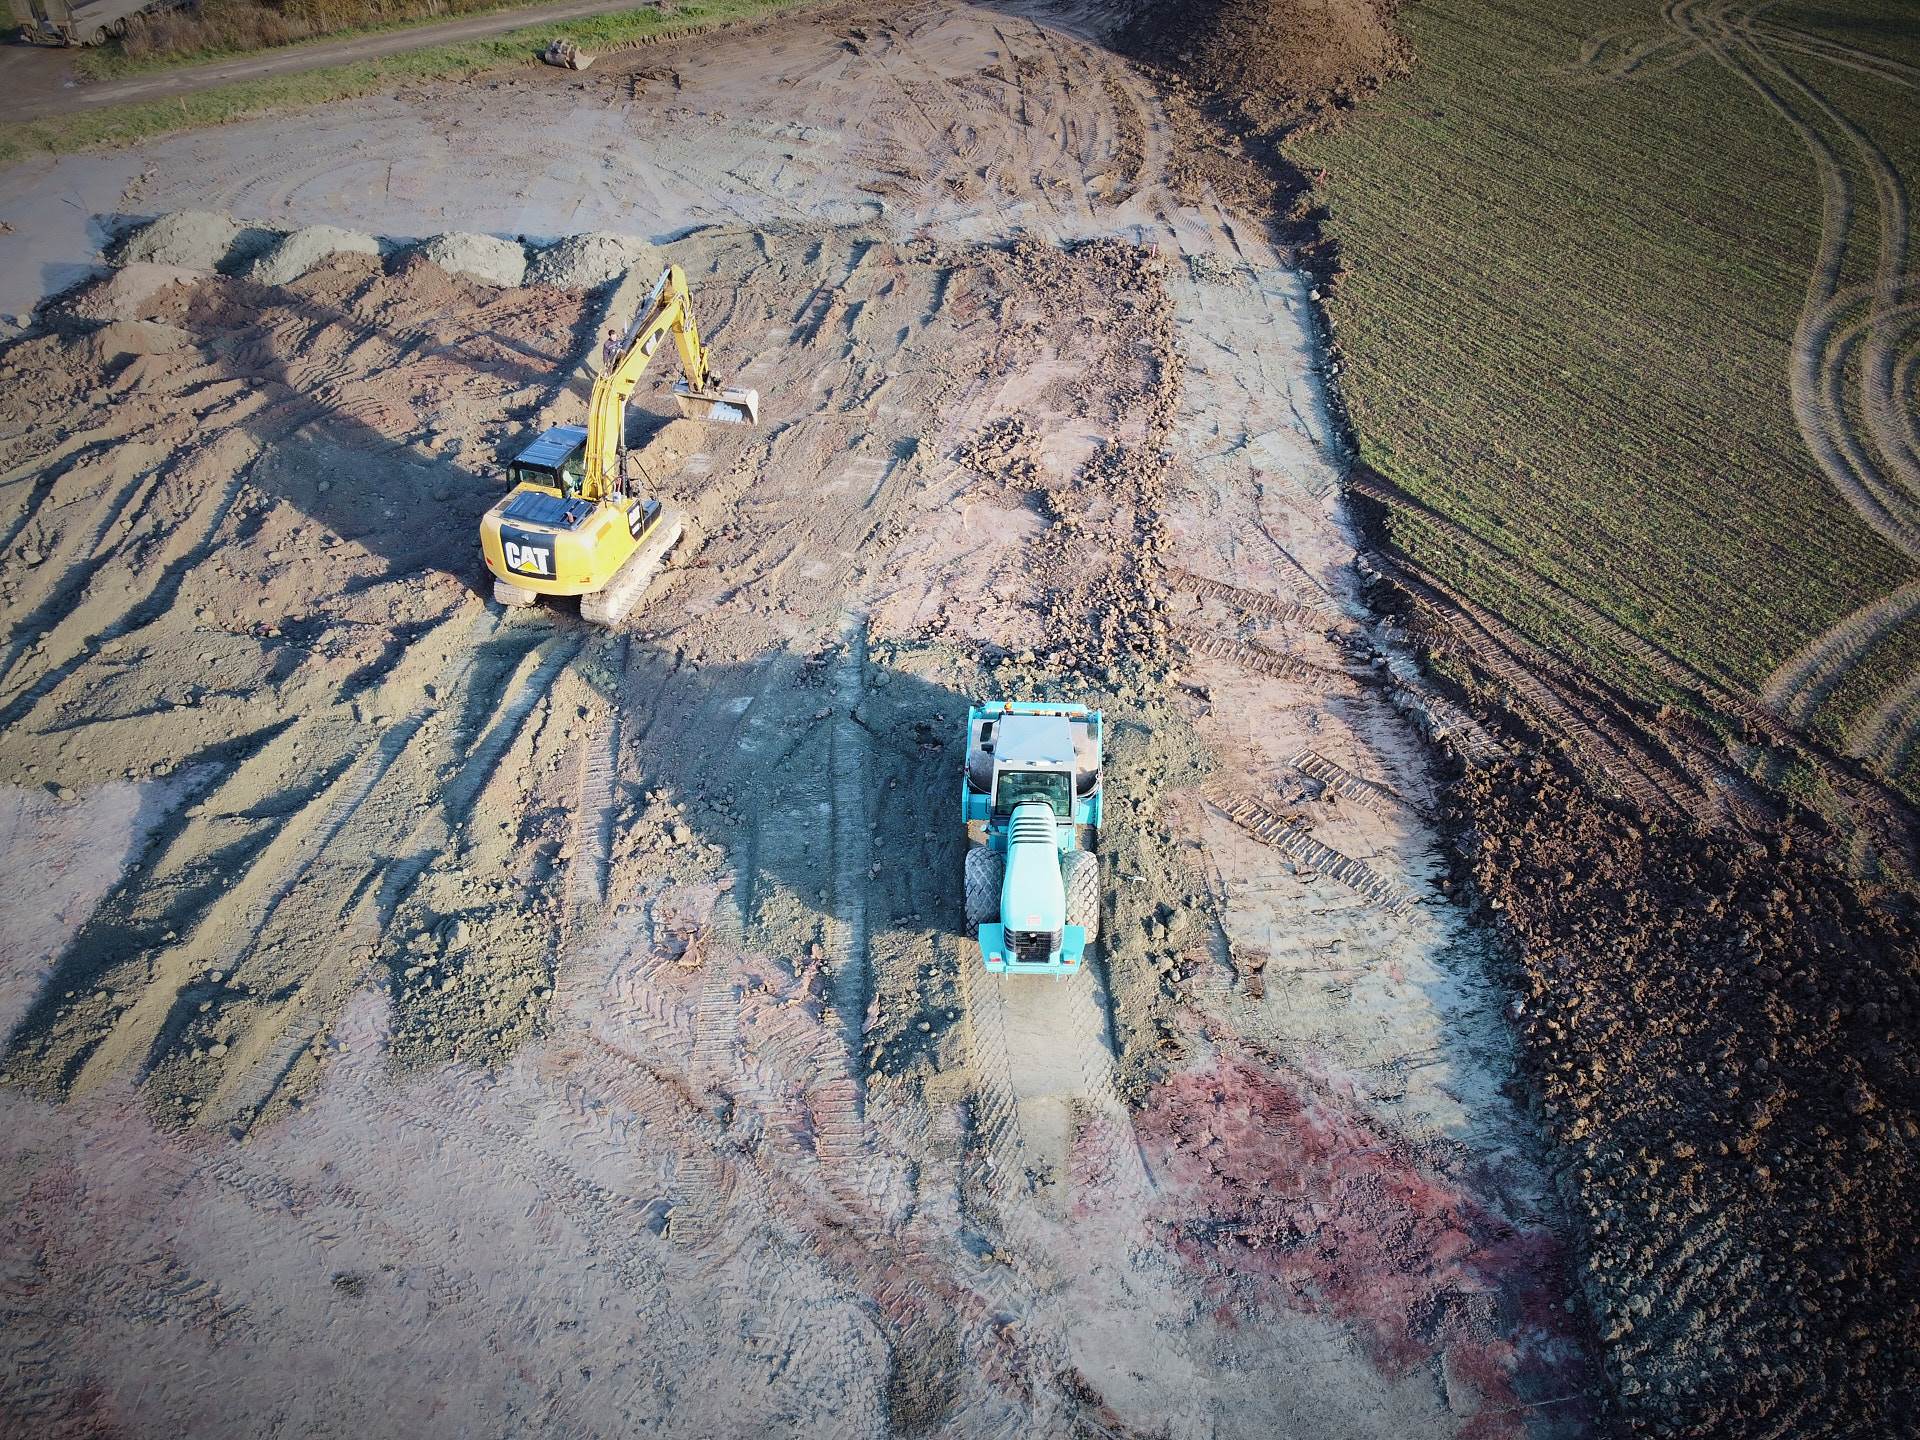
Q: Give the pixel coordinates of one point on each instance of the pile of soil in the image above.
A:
(121, 295)
(199, 242)
(1237, 76)
(295, 254)
(1279, 61)
(486, 258)
(191, 239)
(581, 262)
(1723, 1037)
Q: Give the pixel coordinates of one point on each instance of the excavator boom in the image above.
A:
(668, 311)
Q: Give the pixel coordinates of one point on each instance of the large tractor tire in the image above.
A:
(1080, 872)
(986, 870)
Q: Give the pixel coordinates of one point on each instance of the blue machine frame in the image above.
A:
(976, 809)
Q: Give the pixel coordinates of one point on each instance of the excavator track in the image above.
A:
(609, 606)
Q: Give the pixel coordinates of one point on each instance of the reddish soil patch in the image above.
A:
(1287, 1198)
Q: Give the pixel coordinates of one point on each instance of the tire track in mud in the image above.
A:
(1207, 645)
(1882, 487)
(1885, 499)
(1342, 781)
(1888, 734)
(1053, 1139)
(1283, 833)
(1865, 800)
(1798, 687)
(1255, 604)
(1835, 52)
(849, 763)
(593, 825)
(637, 1089)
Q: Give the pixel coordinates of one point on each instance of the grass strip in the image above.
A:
(128, 124)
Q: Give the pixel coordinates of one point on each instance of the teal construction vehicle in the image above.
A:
(1030, 799)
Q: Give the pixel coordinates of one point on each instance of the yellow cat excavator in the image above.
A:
(572, 525)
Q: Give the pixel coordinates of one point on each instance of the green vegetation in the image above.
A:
(126, 124)
(218, 29)
(1574, 272)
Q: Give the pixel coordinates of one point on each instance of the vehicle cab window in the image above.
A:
(1018, 786)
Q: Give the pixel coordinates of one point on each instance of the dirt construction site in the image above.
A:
(441, 1019)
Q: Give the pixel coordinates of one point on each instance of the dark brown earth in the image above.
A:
(1721, 1032)
(1718, 1022)
(1277, 61)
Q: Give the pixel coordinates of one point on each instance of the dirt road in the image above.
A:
(470, 1022)
(40, 81)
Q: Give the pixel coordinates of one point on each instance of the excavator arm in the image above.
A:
(668, 311)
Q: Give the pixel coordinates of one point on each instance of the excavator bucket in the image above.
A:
(729, 405)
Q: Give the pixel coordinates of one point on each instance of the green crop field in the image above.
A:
(1631, 311)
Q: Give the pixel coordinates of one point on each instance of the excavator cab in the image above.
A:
(557, 461)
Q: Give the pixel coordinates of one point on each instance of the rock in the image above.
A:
(63, 792)
(566, 55)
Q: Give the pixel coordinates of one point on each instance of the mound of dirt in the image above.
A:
(486, 258)
(295, 254)
(119, 295)
(581, 262)
(1724, 1040)
(135, 337)
(190, 239)
(1277, 61)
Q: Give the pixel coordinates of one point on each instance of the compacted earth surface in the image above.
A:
(431, 1018)
(434, 1019)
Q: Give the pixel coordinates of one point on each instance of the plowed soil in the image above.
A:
(1723, 1038)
